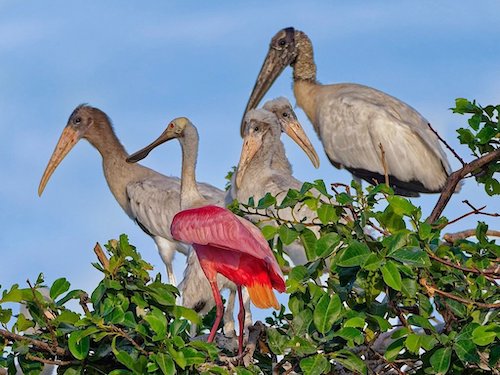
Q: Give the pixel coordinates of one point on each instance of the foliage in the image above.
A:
(482, 136)
(381, 293)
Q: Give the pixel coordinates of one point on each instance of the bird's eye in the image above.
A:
(285, 114)
(256, 129)
(77, 120)
(171, 125)
(282, 42)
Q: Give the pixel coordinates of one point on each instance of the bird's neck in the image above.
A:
(279, 161)
(117, 171)
(304, 77)
(190, 195)
(304, 68)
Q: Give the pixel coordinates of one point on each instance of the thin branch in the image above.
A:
(84, 299)
(493, 272)
(43, 346)
(384, 163)
(452, 237)
(455, 178)
(447, 145)
(433, 290)
(479, 210)
(473, 212)
(50, 361)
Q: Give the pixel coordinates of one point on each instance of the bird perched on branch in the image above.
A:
(224, 243)
(364, 130)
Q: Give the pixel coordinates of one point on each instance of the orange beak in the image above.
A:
(67, 141)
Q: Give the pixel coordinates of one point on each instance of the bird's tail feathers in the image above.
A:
(263, 296)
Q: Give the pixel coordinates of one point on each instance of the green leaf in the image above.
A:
(5, 315)
(309, 240)
(302, 321)
(327, 214)
(354, 255)
(158, 323)
(391, 276)
(401, 206)
(327, 311)
(327, 244)
(267, 201)
(315, 365)
(23, 324)
(412, 342)
(350, 361)
(269, 231)
(287, 235)
(276, 341)
(351, 334)
(302, 346)
(166, 363)
(485, 335)
(392, 351)
(79, 344)
(440, 360)
(181, 311)
(412, 256)
(59, 287)
(466, 351)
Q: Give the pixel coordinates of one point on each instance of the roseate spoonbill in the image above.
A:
(195, 289)
(352, 120)
(224, 243)
(147, 197)
(264, 168)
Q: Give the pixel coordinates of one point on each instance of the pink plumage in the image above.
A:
(230, 245)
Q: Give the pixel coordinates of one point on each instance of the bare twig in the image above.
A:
(50, 361)
(43, 346)
(447, 145)
(433, 290)
(384, 163)
(479, 210)
(84, 299)
(101, 256)
(455, 178)
(452, 237)
(493, 272)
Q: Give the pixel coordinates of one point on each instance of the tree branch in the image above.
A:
(447, 145)
(433, 290)
(455, 178)
(452, 237)
(493, 272)
(43, 346)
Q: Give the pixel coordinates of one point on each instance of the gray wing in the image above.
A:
(354, 119)
(155, 201)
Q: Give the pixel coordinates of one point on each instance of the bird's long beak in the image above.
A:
(67, 141)
(250, 147)
(295, 131)
(274, 63)
(142, 153)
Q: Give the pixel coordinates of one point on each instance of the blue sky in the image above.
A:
(146, 64)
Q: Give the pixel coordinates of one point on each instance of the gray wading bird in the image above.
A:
(147, 197)
(352, 121)
(264, 168)
(195, 288)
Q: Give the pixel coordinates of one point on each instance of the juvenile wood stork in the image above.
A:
(352, 120)
(147, 197)
(264, 168)
(224, 243)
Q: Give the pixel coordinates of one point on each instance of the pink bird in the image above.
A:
(225, 243)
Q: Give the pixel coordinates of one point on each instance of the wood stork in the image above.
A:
(352, 121)
(147, 197)
(224, 243)
(264, 168)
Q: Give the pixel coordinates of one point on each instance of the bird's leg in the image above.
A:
(170, 274)
(219, 310)
(241, 317)
(228, 315)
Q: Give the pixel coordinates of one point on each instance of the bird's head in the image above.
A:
(260, 125)
(290, 125)
(174, 129)
(282, 52)
(81, 124)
